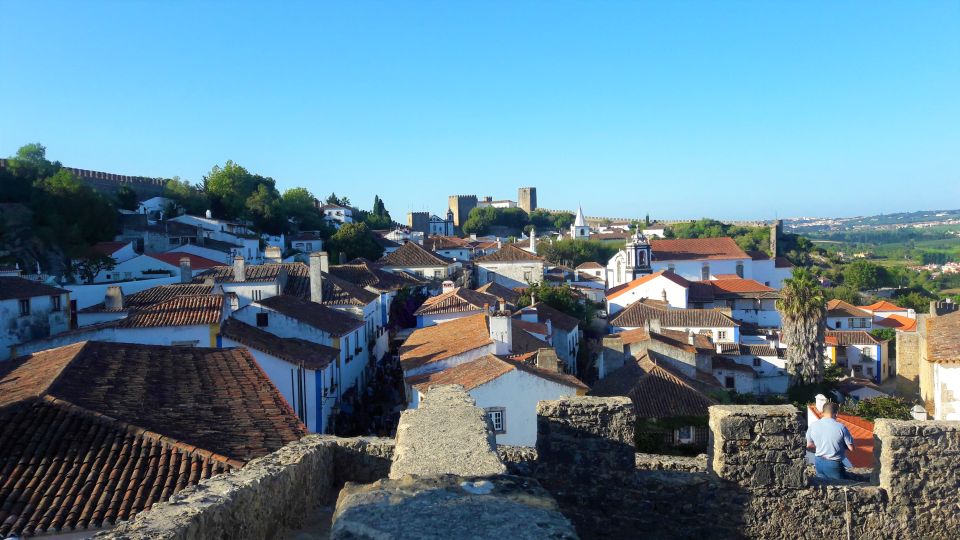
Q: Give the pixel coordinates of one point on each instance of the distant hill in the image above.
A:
(919, 219)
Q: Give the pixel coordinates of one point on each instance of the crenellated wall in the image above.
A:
(756, 483)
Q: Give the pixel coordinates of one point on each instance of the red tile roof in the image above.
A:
(485, 369)
(412, 255)
(898, 322)
(507, 254)
(334, 322)
(843, 338)
(446, 340)
(557, 318)
(637, 314)
(94, 433)
(196, 262)
(696, 249)
(882, 305)
(297, 351)
(509, 296)
(839, 308)
(458, 300)
(734, 287)
(109, 248)
(178, 311)
(153, 295)
(16, 287)
(862, 432)
(590, 265)
(626, 287)
(656, 390)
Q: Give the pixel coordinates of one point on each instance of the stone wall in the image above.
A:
(908, 363)
(757, 484)
(268, 495)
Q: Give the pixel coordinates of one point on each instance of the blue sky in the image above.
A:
(680, 109)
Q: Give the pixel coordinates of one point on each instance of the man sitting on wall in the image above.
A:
(830, 441)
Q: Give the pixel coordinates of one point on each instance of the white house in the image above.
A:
(563, 332)
(508, 390)
(116, 305)
(844, 316)
(889, 315)
(337, 215)
(442, 346)
(942, 363)
(591, 268)
(511, 267)
(307, 241)
(767, 360)
(859, 353)
(247, 244)
(30, 310)
(222, 256)
(664, 285)
(450, 247)
(154, 265)
(183, 321)
(291, 317)
(413, 258)
(153, 206)
(303, 371)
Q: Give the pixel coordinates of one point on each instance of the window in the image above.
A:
(528, 276)
(184, 343)
(684, 435)
(127, 275)
(496, 416)
(308, 246)
(729, 382)
(721, 334)
(837, 325)
(263, 319)
(257, 295)
(705, 272)
(866, 352)
(756, 362)
(437, 273)
(870, 371)
(55, 302)
(740, 269)
(24, 307)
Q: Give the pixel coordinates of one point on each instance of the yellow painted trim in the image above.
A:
(214, 330)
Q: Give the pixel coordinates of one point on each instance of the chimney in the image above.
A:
(501, 332)
(186, 273)
(820, 401)
(918, 412)
(612, 356)
(239, 268)
(533, 239)
(447, 286)
(324, 262)
(114, 297)
(316, 276)
(549, 329)
(547, 360)
(692, 338)
(654, 326)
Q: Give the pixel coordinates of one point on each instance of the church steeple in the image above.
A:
(638, 255)
(580, 229)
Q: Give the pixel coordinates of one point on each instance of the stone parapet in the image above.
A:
(587, 436)
(447, 434)
(919, 463)
(758, 446)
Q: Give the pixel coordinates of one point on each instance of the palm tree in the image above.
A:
(803, 311)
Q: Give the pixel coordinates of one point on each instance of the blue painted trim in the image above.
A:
(318, 385)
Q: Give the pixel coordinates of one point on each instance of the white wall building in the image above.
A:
(30, 310)
(511, 267)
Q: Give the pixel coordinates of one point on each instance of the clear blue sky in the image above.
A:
(680, 109)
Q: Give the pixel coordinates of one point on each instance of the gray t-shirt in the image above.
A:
(830, 437)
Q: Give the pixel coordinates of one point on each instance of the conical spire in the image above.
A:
(580, 221)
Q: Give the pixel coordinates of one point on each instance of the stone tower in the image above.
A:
(638, 255)
(527, 199)
(776, 231)
(461, 205)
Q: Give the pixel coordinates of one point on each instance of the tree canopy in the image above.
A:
(560, 297)
(574, 252)
(354, 240)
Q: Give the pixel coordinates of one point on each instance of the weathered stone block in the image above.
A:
(447, 434)
(757, 446)
(491, 508)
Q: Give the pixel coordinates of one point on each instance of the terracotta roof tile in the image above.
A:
(629, 337)
(363, 273)
(435, 343)
(507, 254)
(16, 287)
(294, 350)
(153, 295)
(696, 249)
(882, 305)
(850, 337)
(656, 391)
(412, 255)
(590, 265)
(722, 362)
(485, 369)
(862, 432)
(509, 296)
(334, 322)
(109, 248)
(196, 262)
(557, 318)
(898, 322)
(839, 308)
(128, 426)
(638, 313)
(435, 243)
(178, 311)
(458, 300)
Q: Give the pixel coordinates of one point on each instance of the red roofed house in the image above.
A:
(118, 251)
(860, 429)
(861, 354)
(30, 310)
(153, 265)
(889, 315)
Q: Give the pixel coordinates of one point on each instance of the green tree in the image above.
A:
(802, 308)
(265, 209)
(228, 188)
(354, 240)
(845, 293)
(378, 217)
(185, 195)
(339, 201)
(91, 264)
(563, 220)
(23, 169)
(480, 220)
(70, 213)
(870, 409)
(562, 298)
(127, 198)
(863, 275)
(301, 206)
(574, 252)
(915, 300)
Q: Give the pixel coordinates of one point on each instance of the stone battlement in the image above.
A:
(109, 182)
(756, 483)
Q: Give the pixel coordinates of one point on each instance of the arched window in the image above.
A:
(740, 269)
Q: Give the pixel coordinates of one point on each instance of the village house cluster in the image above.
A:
(207, 345)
